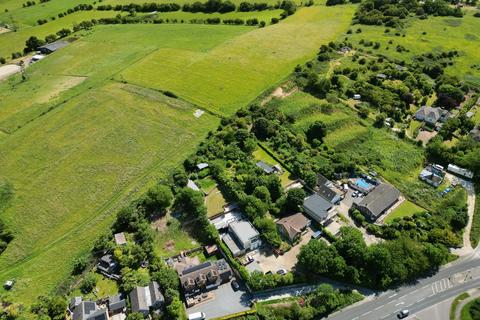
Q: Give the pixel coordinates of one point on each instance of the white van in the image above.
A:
(197, 316)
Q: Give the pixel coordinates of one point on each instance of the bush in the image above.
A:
(2, 60)
(88, 283)
(79, 265)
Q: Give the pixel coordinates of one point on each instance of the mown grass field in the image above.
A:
(28, 16)
(405, 209)
(73, 167)
(441, 33)
(234, 73)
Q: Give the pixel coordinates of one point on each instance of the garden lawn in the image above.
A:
(214, 202)
(173, 239)
(441, 33)
(261, 155)
(75, 166)
(405, 209)
(235, 72)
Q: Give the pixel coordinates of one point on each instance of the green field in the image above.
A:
(15, 41)
(236, 72)
(73, 167)
(441, 33)
(405, 209)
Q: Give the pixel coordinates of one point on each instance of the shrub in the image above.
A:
(88, 283)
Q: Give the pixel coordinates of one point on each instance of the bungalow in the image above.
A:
(265, 167)
(319, 209)
(460, 171)
(144, 299)
(378, 201)
(428, 114)
(241, 238)
(292, 227)
(327, 190)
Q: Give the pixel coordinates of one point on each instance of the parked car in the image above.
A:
(269, 272)
(235, 285)
(282, 271)
(316, 234)
(403, 314)
(250, 258)
(197, 316)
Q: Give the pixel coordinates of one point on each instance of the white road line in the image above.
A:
(393, 295)
(414, 291)
(425, 286)
(421, 299)
(378, 308)
(365, 313)
(400, 303)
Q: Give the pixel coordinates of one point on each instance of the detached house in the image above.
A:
(428, 114)
(378, 201)
(242, 237)
(293, 226)
(144, 299)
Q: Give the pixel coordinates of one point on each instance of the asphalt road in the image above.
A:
(450, 281)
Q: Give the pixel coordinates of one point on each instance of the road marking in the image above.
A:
(365, 313)
(355, 318)
(421, 299)
(378, 308)
(393, 295)
(400, 303)
(414, 291)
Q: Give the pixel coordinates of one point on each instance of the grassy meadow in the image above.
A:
(235, 72)
(432, 34)
(405, 209)
(74, 166)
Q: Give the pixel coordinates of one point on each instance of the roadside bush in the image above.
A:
(79, 265)
(3, 60)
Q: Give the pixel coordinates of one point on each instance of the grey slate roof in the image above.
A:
(83, 310)
(142, 298)
(265, 167)
(317, 206)
(380, 199)
(324, 190)
(54, 46)
(116, 302)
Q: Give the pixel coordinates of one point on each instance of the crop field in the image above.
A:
(235, 72)
(432, 34)
(75, 165)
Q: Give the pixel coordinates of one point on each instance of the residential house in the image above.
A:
(378, 201)
(116, 304)
(88, 310)
(242, 237)
(460, 171)
(144, 299)
(428, 114)
(203, 277)
(292, 227)
(319, 209)
(109, 267)
(327, 190)
(52, 47)
(432, 174)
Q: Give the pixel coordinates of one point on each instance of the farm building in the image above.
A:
(144, 298)
(378, 201)
(327, 190)
(206, 276)
(460, 171)
(292, 227)
(319, 209)
(52, 47)
(241, 238)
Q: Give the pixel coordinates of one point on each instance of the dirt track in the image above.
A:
(8, 70)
